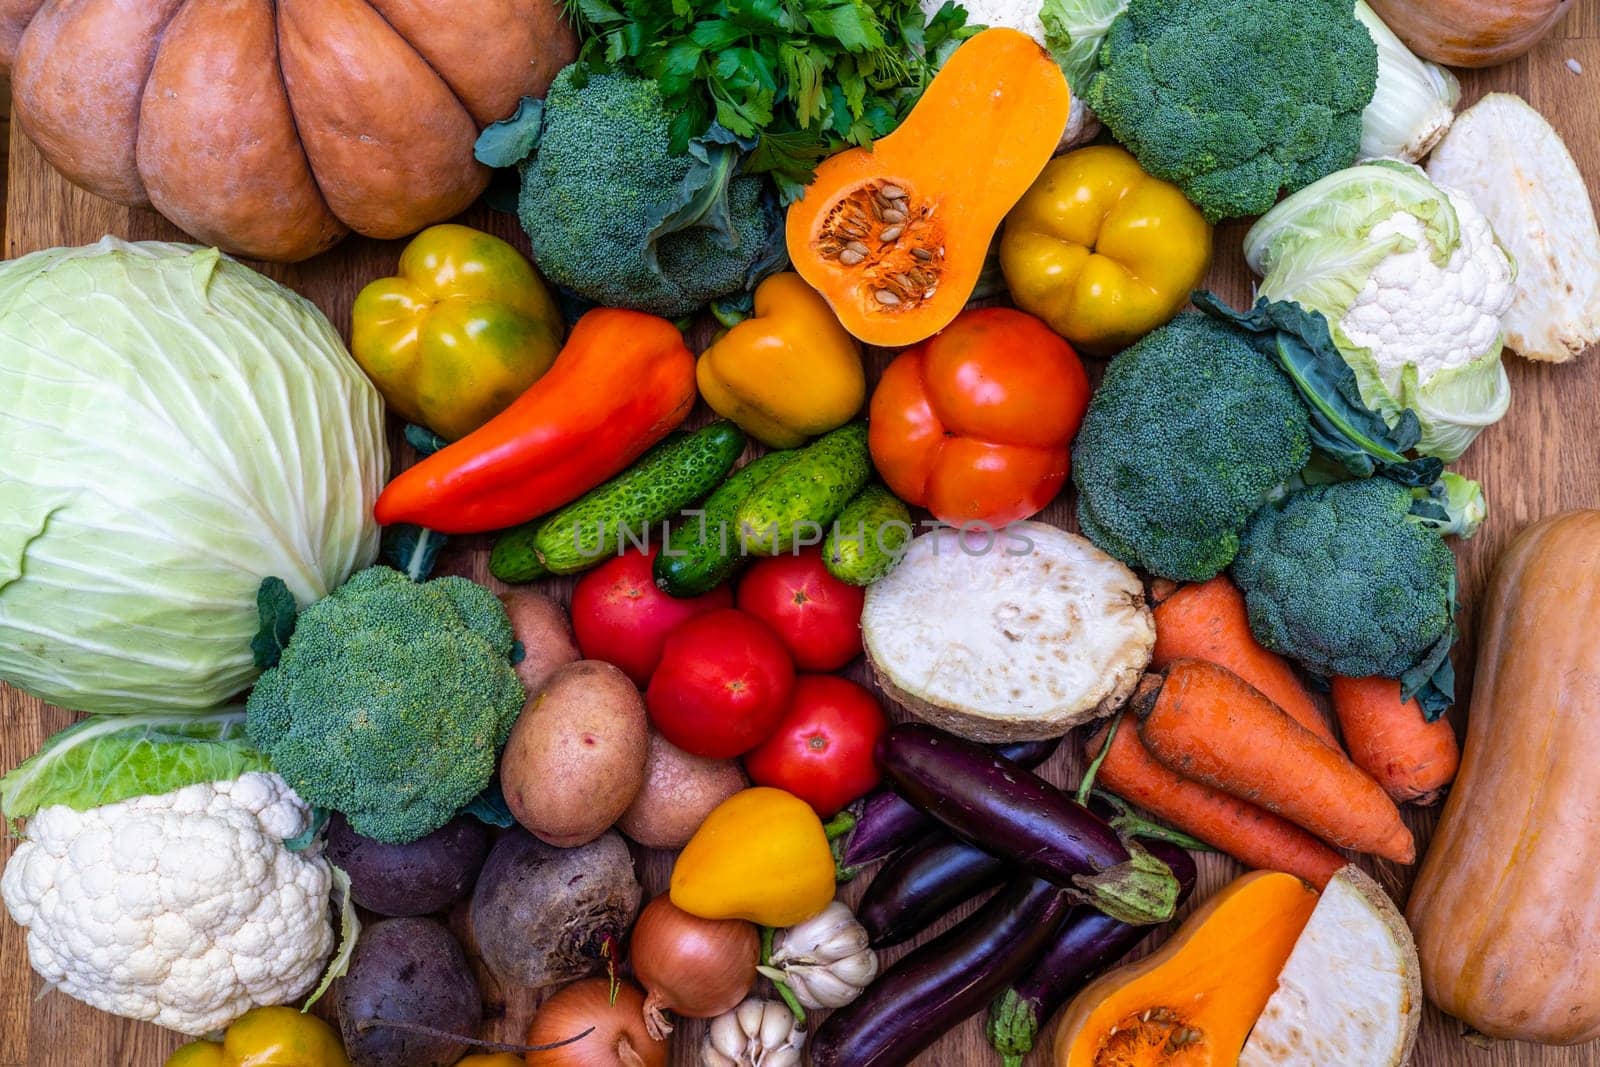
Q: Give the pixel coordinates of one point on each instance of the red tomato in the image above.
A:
(822, 751)
(813, 613)
(619, 615)
(722, 686)
(975, 424)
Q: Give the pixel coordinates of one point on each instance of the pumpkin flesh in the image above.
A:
(1506, 907)
(894, 236)
(1192, 1002)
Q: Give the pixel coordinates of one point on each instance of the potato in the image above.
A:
(679, 791)
(545, 633)
(575, 759)
(418, 878)
(408, 971)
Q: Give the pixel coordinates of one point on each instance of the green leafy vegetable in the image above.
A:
(103, 760)
(802, 79)
(349, 934)
(277, 611)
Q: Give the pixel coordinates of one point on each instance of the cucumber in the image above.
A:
(666, 479)
(513, 559)
(812, 488)
(868, 537)
(691, 564)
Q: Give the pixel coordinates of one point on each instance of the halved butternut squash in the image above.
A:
(1192, 1003)
(895, 236)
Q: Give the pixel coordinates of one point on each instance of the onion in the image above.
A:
(618, 1038)
(695, 967)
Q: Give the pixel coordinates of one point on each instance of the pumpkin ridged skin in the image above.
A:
(1470, 33)
(1504, 909)
(974, 143)
(218, 148)
(272, 127)
(1218, 971)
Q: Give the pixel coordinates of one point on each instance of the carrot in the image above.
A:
(1252, 835)
(1208, 621)
(1206, 723)
(1412, 758)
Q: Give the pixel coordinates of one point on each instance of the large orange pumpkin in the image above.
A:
(271, 128)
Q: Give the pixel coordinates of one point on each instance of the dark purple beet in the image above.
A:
(407, 971)
(1020, 818)
(915, 888)
(887, 824)
(937, 985)
(419, 878)
(1089, 942)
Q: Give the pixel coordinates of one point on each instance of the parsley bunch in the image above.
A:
(801, 79)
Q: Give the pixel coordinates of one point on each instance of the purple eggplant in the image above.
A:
(916, 887)
(1020, 818)
(937, 985)
(1089, 942)
(886, 824)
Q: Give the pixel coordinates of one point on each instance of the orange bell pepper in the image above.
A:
(975, 423)
(623, 380)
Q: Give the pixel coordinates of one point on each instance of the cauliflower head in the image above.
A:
(182, 909)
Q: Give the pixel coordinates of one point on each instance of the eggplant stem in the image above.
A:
(839, 825)
(780, 983)
(374, 1023)
(1086, 787)
(1126, 823)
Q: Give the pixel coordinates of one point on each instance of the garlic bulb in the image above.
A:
(758, 1033)
(825, 960)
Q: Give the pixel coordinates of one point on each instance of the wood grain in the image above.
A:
(1540, 459)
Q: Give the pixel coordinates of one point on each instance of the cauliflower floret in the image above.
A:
(183, 909)
(1414, 312)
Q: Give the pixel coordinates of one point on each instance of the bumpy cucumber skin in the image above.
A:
(812, 488)
(856, 551)
(513, 558)
(666, 480)
(689, 566)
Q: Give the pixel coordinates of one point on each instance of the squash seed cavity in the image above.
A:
(891, 240)
(1155, 1037)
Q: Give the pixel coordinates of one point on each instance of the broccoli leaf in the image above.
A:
(509, 141)
(276, 612)
(304, 839)
(412, 549)
(1342, 426)
(490, 807)
(1433, 680)
(702, 197)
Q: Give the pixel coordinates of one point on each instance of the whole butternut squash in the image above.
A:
(1470, 33)
(1506, 909)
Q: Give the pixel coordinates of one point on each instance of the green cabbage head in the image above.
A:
(174, 427)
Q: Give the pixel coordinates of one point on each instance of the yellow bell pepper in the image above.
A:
(1101, 251)
(267, 1037)
(460, 333)
(789, 372)
(761, 855)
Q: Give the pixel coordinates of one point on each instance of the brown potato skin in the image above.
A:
(544, 630)
(78, 83)
(526, 44)
(217, 145)
(575, 759)
(14, 18)
(679, 791)
(389, 143)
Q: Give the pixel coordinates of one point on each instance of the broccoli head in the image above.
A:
(1233, 100)
(391, 701)
(1191, 430)
(616, 217)
(1346, 580)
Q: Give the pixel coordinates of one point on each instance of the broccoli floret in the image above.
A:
(603, 178)
(1189, 433)
(391, 701)
(1346, 580)
(1233, 100)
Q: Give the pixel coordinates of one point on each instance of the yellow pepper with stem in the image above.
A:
(1101, 251)
(788, 373)
(761, 855)
(462, 330)
(267, 1037)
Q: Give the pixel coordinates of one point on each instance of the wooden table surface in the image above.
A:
(1542, 458)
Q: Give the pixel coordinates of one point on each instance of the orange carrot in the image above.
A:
(1208, 621)
(1412, 758)
(1253, 836)
(1207, 724)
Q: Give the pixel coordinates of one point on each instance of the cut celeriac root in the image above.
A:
(1514, 166)
(1019, 634)
(1351, 992)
